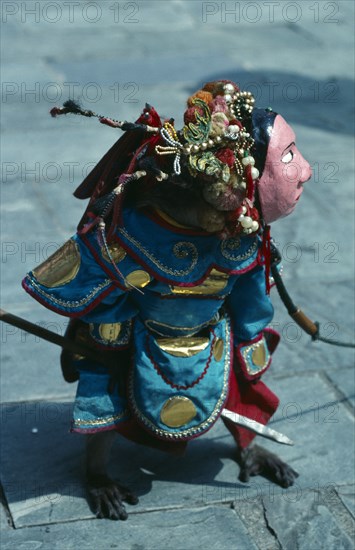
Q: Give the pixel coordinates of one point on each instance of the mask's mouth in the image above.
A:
(299, 195)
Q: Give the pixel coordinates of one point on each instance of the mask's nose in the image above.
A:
(306, 171)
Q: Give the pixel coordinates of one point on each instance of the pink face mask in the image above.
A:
(285, 171)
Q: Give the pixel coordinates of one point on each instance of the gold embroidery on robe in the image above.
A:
(214, 283)
(183, 346)
(61, 267)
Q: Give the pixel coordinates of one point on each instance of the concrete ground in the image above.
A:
(296, 57)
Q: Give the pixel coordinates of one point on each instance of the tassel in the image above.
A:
(103, 205)
(250, 183)
(73, 107)
(266, 254)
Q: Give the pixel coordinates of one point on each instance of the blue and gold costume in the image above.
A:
(190, 307)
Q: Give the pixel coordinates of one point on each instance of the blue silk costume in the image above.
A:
(191, 308)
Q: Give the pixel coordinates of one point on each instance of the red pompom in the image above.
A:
(226, 156)
(190, 114)
(56, 111)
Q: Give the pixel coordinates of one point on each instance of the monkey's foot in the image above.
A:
(107, 497)
(255, 461)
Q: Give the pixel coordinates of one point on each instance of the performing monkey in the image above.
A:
(169, 277)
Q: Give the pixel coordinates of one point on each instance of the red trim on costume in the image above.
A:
(147, 437)
(253, 400)
(265, 256)
(49, 305)
(242, 362)
(113, 426)
(163, 279)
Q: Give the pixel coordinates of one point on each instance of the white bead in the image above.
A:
(241, 152)
(244, 209)
(254, 173)
(228, 87)
(228, 98)
(204, 145)
(188, 149)
(248, 160)
(210, 142)
(247, 222)
(241, 217)
(195, 148)
(218, 139)
(255, 226)
(233, 129)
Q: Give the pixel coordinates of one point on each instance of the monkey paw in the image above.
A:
(107, 498)
(255, 461)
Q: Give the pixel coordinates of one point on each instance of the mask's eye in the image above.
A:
(288, 157)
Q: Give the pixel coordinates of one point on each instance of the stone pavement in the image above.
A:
(296, 57)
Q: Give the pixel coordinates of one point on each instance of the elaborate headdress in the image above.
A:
(215, 147)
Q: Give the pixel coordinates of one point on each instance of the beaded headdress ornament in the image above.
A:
(214, 146)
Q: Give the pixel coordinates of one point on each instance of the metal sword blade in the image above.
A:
(256, 427)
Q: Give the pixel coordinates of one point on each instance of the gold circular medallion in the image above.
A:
(177, 411)
(218, 349)
(116, 251)
(138, 278)
(259, 355)
(109, 332)
(60, 268)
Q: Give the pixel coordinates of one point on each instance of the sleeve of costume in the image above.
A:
(251, 311)
(78, 281)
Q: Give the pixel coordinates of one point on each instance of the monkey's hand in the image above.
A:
(107, 497)
(255, 461)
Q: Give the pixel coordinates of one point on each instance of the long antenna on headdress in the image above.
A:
(73, 107)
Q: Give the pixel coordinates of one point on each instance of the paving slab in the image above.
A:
(344, 381)
(321, 301)
(321, 426)
(39, 492)
(210, 527)
(308, 522)
(130, 62)
(347, 496)
(30, 366)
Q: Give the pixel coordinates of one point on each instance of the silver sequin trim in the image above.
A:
(233, 244)
(121, 341)
(196, 429)
(100, 421)
(181, 250)
(245, 352)
(71, 304)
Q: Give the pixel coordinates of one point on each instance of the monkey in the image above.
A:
(186, 205)
(226, 183)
